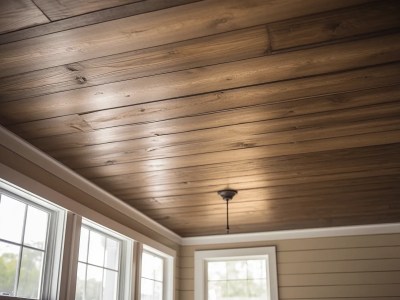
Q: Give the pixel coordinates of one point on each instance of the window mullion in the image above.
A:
(20, 252)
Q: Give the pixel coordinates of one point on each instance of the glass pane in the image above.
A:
(152, 266)
(217, 290)
(9, 255)
(237, 289)
(236, 269)
(257, 289)
(12, 214)
(94, 283)
(158, 291)
(112, 254)
(83, 244)
(110, 285)
(36, 228)
(30, 273)
(97, 244)
(80, 282)
(256, 269)
(216, 270)
(146, 289)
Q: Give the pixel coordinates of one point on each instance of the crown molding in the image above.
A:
(389, 228)
(21, 147)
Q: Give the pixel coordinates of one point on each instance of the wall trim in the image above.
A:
(388, 228)
(36, 156)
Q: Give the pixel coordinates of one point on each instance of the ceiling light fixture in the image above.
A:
(227, 195)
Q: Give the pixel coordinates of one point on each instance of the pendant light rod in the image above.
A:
(227, 195)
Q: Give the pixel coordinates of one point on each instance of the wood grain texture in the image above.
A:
(343, 23)
(154, 125)
(205, 79)
(100, 16)
(18, 14)
(60, 9)
(210, 50)
(148, 30)
(294, 103)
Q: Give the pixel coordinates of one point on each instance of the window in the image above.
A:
(236, 274)
(152, 276)
(100, 270)
(157, 273)
(27, 245)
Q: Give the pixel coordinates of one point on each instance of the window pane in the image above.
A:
(256, 269)
(83, 244)
(147, 289)
(94, 283)
(216, 270)
(158, 291)
(152, 266)
(237, 280)
(80, 282)
(237, 289)
(97, 244)
(30, 273)
(110, 285)
(257, 289)
(236, 269)
(217, 290)
(9, 255)
(12, 214)
(36, 228)
(112, 254)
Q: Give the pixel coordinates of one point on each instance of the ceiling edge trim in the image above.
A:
(36, 156)
(388, 228)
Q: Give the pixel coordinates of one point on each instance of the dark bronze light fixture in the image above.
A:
(227, 195)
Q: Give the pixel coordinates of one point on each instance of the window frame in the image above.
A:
(52, 260)
(125, 264)
(168, 272)
(204, 256)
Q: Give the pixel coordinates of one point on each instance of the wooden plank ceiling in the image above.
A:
(163, 103)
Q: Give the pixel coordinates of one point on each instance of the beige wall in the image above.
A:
(352, 267)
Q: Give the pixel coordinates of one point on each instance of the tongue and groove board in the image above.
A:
(162, 103)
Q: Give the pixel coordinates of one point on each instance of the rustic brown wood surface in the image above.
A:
(162, 103)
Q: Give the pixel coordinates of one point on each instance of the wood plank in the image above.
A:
(342, 291)
(57, 10)
(140, 195)
(17, 14)
(361, 140)
(330, 215)
(208, 50)
(153, 29)
(340, 278)
(126, 152)
(339, 254)
(327, 255)
(187, 229)
(352, 160)
(343, 23)
(206, 79)
(274, 201)
(287, 90)
(306, 114)
(92, 18)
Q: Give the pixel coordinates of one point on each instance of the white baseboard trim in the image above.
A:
(389, 228)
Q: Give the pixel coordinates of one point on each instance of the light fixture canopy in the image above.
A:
(227, 195)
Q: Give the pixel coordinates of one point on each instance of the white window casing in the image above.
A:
(267, 253)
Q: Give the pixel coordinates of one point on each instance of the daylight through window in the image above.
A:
(23, 247)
